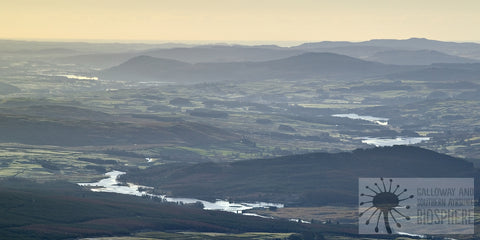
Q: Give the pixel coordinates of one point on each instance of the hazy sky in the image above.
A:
(240, 20)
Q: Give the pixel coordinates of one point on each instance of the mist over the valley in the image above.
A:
(233, 125)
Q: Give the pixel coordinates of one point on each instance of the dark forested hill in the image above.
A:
(309, 179)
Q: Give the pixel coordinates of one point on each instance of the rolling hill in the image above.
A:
(224, 53)
(307, 65)
(199, 54)
(413, 51)
(317, 65)
(442, 72)
(467, 50)
(416, 57)
(68, 125)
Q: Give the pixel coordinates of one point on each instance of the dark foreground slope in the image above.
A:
(61, 210)
(309, 179)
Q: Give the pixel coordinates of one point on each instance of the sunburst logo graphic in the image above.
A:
(385, 202)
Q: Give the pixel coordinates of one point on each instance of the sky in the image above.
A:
(239, 20)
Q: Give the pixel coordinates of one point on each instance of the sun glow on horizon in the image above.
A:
(237, 21)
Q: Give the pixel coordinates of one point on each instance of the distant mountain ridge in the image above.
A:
(306, 65)
(198, 54)
(241, 53)
(220, 53)
(427, 65)
(411, 43)
(416, 57)
(466, 50)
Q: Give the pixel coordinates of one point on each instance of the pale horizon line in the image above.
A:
(283, 43)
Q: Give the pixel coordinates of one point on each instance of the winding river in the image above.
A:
(111, 184)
